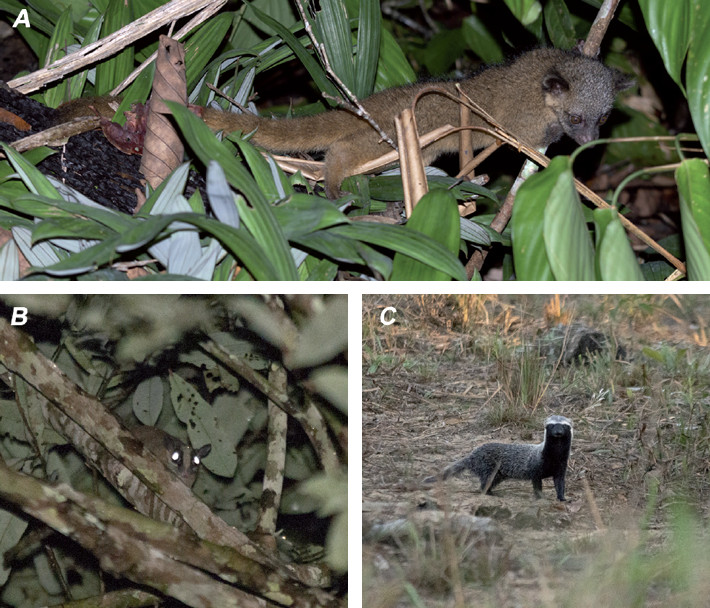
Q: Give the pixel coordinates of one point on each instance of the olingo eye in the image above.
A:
(603, 119)
(575, 119)
(196, 460)
(175, 456)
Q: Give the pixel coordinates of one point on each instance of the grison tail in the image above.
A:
(453, 469)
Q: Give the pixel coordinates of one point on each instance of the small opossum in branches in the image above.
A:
(179, 457)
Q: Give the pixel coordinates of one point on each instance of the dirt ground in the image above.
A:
(446, 378)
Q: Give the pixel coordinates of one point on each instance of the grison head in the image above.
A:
(558, 426)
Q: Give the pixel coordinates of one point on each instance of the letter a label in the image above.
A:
(22, 19)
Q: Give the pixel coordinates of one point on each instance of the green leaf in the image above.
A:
(148, 400)
(393, 69)
(111, 72)
(302, 214)
(409, 242)
(61, 38)
(333, 31)
(256, 214)
(368, 46)
(697, 81)
(249, 33)
(480, 40)
(137, 92)
(529, 253)
(436, 216)
(444, 48)
(345, 249)
(669, 25)
(30, 175)
(559, 24)
(269, 177)
(313, 67)
(202, 426)
(201, 45)
(49, 207)
(567, 241)
(615, 260)
(525, 11)
(78, 81)
(693, 180)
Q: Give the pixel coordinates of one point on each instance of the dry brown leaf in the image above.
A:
(163, 150)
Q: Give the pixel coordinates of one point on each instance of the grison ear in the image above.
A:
(554, 83)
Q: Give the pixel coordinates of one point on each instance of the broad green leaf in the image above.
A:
(368, 46)
(528, 220)
(201, 45)
(615, 260)
(202, 426)
(558, 23)
(302, 214)
(409, 242)
(76, 228)
(257, 214)
(49, 207)
(333, 31)
(442, 51)
(669, 25)
(148, 400)
(480, 40)
(61, 39)
(345, 249)
(112, 71)
(567, 241)
(29, 174)
(525, 11)
(436, 216)
(313, 67)
(693, 181)
(393, 69)
(697, 81)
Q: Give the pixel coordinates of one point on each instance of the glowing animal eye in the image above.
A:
(175, 456)
(603, 119)
(575, 119)
(196, 460)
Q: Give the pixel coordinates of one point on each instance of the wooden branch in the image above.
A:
(599, 28)
(111, 44)
(126, 543)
